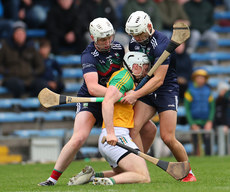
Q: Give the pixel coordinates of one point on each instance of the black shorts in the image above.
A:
(94, 108)
(162, 102)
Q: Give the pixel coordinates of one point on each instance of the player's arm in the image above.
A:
(153, 84)
(95, 89)
(111, 97)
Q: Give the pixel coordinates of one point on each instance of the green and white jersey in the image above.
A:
(122, 80)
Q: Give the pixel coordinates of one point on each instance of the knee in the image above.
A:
(77, 142)
(146, 179)
(168, 140)
(149, 131)
(133, 133)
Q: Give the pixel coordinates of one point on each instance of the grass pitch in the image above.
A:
(212, 173)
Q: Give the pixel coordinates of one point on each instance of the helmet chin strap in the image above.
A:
(145, 42)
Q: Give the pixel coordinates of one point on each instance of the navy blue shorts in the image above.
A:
(94, 108)
(162, 102)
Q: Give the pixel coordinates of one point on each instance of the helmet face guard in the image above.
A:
(138, 58)
(101, 28)
(104, 44)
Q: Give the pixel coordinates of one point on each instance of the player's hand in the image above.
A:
(111, 139)
(129, 99)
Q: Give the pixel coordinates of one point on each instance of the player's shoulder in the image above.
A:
(160, 39)
(90, 52)
(120, 73)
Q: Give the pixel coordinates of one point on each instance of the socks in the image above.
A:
(55, 176)
(190, 170)
(100, 174)
(114, 182)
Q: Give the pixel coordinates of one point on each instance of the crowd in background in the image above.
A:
(27, 68)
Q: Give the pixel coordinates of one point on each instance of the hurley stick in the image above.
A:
(49, 99)
(178, 170)
(180, 34)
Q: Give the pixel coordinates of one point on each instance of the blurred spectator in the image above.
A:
(92, 9)
(53, 72)
(118, 6)
(225, 22)
(147, 6)
(184, 66)
(200, 108)
(223, 106)
(5, 24)
(11, 9)
(20, 64)
(201, 16)
(34, 12)
(65, 28)
(227, 111)
(182, 1)
(171, 11)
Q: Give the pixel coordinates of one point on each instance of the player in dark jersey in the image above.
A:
(99, 60)
(160, 93)
(118, 120)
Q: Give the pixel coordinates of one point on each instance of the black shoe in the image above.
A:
(46, 183)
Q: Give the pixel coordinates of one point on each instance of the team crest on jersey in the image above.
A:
(117, 54)
(148, 50)
(137, 48)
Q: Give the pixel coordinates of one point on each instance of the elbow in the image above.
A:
(92, 92)
(159, 83)
(104, 104)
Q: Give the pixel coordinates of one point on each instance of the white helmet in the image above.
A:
(137, 23)
(134, 57)
(101, 28)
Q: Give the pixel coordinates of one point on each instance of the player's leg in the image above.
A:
(142, 114)
(168, 120)
(127, 167)
(148, 133)
(83, 124)
(134, 170)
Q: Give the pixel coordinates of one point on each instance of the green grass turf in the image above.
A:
(212, 173)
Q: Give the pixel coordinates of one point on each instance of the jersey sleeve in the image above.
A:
(88, 63)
